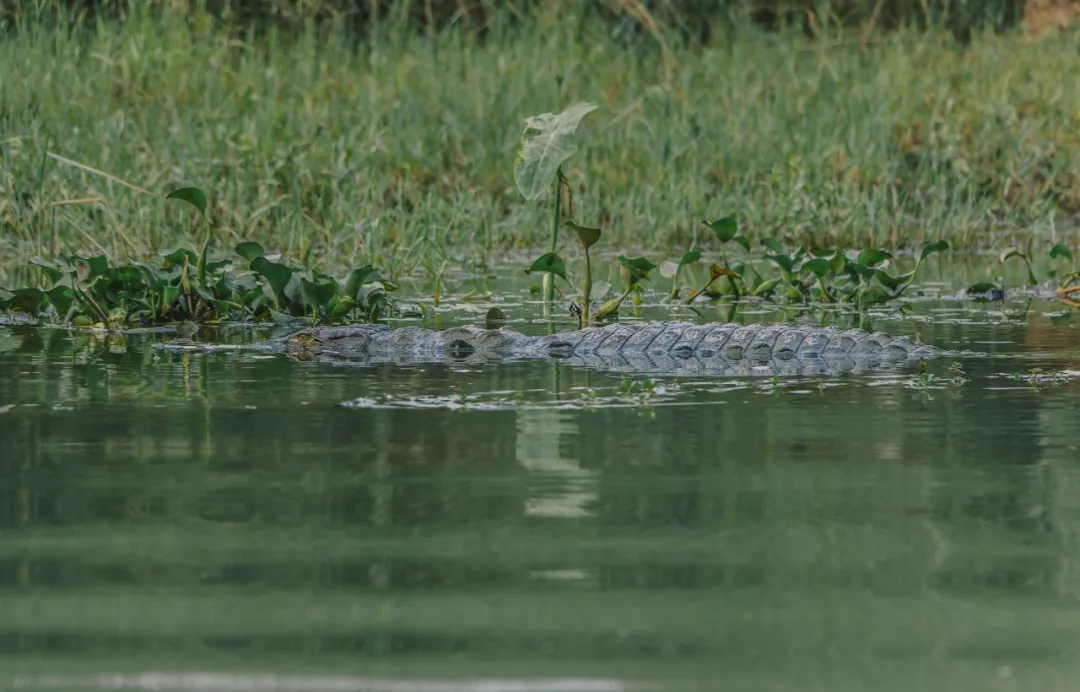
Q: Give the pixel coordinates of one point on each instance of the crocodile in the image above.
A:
(672, 348)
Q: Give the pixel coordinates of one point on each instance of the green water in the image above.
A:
(239, 515)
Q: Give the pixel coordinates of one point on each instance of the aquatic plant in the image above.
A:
(547, 142)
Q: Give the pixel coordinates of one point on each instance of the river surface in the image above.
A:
(243, 521)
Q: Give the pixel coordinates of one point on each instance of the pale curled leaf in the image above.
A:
(548, 141)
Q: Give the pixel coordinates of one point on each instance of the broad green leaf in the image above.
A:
(548, 141)
(1061, 250)
(819, 266)
(551, 262)
(744, 241)
(358, 277)
(276, 274)
(871, 257)
(838, 263)
(864, 271)
(587, 236)
(176, 257)
(891, 282)
(222, 308)
(318, 295)
(690, 258)
(151, 276)
(782, 261)
(89, 268)
(725, 228)
(26, 299)
(774, 245)
(931, 248)
(193, 196)
(250, 250)
(62, 298)
(48, 268)
(639, 264)
(169, 294)
(341, 307)
(213, 268)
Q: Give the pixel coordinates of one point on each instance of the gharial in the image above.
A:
(675, 348)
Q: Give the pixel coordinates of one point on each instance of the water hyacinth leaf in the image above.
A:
(151, 276)
(551, 262)
(62, 298)
(341, 306)
(639, 264)
(50, 270)
(192, 195)
(931, 248)
(889, 281)
(320, 294)
(871, 257)
(690, 258)
(782, 261)
(865, 272)
(586, 236)
(742, 240)
(725, 228)
(838, 263)
(820, 267)
(276, 274)
(222, 308)
(176, 257)
(169, 294)
(26, 299)
(250, 250)
(547, 142)
(1061, 250)
(217, 266)
(358, 277)
(89, 268)
(774, 245)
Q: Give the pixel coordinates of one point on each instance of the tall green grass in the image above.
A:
(399, 148)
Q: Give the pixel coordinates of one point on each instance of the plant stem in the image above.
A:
(586, 290)
(200, 269)
(556, 210)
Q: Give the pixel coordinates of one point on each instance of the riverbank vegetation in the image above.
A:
(391, 143)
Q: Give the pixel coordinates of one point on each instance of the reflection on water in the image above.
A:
(230, 514)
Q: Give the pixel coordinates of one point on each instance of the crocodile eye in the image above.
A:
(304, 338)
